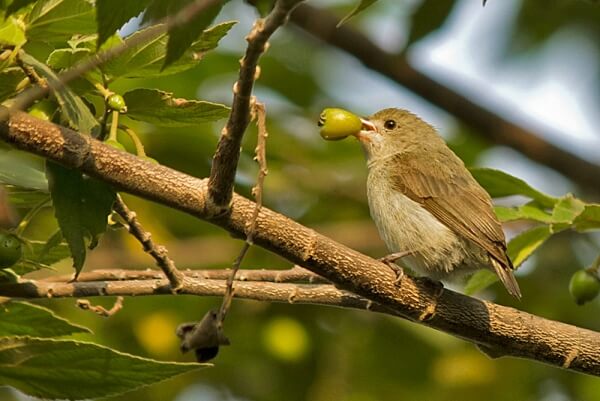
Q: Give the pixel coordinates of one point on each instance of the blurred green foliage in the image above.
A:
(292, 352)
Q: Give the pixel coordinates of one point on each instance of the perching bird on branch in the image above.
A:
(427, 206)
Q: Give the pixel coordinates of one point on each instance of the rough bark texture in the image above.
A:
(499, 330)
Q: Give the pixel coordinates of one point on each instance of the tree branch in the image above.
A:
(226, 157)
(322, 24)
(183, 16)
(294, 275)
(498, 329)
(158, 252)
(321, 294)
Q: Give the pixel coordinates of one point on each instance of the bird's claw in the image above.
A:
(398, 271)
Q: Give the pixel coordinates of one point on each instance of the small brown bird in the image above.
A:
(427, 206)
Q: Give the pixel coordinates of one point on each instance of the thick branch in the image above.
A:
(322, 24)
(499, 329)
(226, 157)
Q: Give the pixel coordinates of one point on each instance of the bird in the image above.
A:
(429, 210)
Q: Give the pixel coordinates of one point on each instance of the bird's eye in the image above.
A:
(390, 124)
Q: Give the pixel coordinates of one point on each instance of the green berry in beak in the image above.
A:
(337, 124)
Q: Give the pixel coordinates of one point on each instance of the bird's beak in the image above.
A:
(367, 131)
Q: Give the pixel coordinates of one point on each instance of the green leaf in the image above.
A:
(567, 209)
(82, 205)
(24, 198)
(429, 16)
(480, 281)
(73, 109)
(161, 108)
(363, 4)
(529, 211)
(16, 5)
(588, 219)
(11, 32)
(499, 184)
(74, 370)
(182, 37)
(40, 255)
(20, 169)
(523, 245)
(9, 80)
(113, 14)
(146, 60)
(66, 58)
(25, 319)
(58, 20)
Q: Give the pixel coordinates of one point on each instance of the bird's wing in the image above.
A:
(459, 202)
(456, 200)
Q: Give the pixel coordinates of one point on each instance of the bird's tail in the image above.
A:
(505, 273)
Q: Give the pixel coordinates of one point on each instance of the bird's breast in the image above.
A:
(404, 225)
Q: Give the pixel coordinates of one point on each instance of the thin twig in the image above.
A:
(226, 156)
(27, 97)
(260, 114)
(296, 274)
(158, 252)
(99, 309)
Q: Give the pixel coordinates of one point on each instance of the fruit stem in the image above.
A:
(139, 146)
(114, 124)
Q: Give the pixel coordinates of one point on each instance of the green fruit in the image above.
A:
(584, 286)
(115, 144)
(117, 103)
(11, 250)
(44, 109)
(338, 124)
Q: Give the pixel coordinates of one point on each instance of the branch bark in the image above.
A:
(322, 24)
(498, 329)
(225, 160)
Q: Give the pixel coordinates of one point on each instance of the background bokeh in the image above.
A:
(535, 62)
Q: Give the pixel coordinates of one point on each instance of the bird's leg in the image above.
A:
(391, 259)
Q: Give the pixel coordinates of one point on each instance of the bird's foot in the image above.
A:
(390, 261)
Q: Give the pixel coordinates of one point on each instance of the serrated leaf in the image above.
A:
(25, 319)
(429, 16)
(363, 4)
(523, 245)
(16, 5)
(11, 32)
(146, 60)
(71, 105)
(66, 58)
(113, 14)
(82, 205)
(588, 219)
(58, 20)
(499, 184)
(182, 37)
(480, 281)
(161, 108)
(9, 79)
(529, 211)
(20, 169)
(74, 370)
